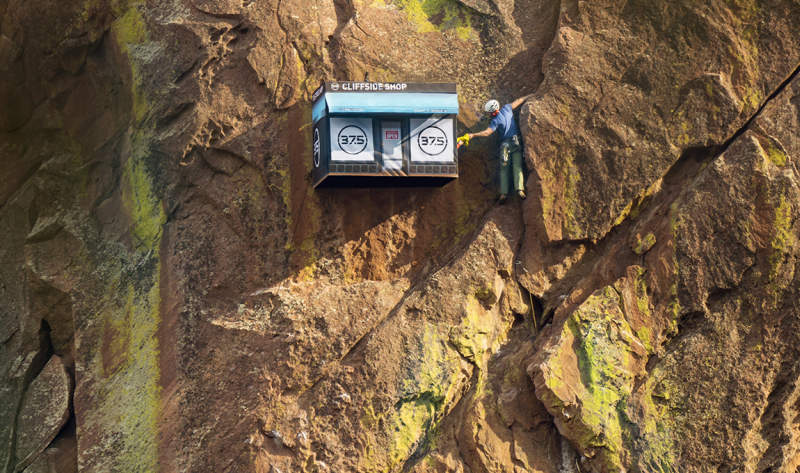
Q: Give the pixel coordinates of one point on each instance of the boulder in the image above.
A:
(44, 412)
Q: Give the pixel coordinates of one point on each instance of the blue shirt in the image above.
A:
(504, 124)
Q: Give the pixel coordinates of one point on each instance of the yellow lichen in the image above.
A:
(645, 336)
(439, 15)
(560, 194)
(657, 419)
(623, 214)
(132, 402)
(644, 244)
(131, 393)
(783, 241)
(426, 397)
(605, 375)
(598, 337)
(144, 208)
(478, 335)
(129, 30)
(775, 155)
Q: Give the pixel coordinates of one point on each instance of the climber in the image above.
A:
(503, 122)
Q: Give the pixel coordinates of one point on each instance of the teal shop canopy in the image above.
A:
(387, 102)
(349, 98)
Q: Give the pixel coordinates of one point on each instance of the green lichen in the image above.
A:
(775, 155)
(746, 19)
(560, 196)
(425, 398)
(642, 300)
(643, 333)
(479, 333)
(128, 370)
(129, 32)
(674, 308)
(486, 295)
(644, 244)
(744, 8)
(782, 234)
(431, 389)
(782, 242)
(752, 97)
(634, 206)
(646, 336)
(134, 399)
(439, 15)
(131, 405)
(608, 356)
(414, 421)
(683, 137)
(142, 206)
(655, 444)
(434, 366)
(624, 213)
(603, 366)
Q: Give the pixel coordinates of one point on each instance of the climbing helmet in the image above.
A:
(491, 106)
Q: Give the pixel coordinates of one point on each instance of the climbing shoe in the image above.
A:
(502, 199)
(521, 194)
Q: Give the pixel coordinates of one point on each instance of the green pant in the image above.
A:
(510, 165)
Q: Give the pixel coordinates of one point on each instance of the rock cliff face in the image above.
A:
(176, 297)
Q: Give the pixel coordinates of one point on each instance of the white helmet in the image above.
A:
(491, 106)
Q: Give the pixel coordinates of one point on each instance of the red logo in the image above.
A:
(391, 134)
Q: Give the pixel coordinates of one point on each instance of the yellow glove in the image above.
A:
(463, 140)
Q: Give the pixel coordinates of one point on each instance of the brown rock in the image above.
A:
(60, 457)
(17, 106)
(45, 410)
(617, 109)
(639, 374)
(155, 210)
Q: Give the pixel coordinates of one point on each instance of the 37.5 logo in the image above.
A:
(432, 141)
(352, 139)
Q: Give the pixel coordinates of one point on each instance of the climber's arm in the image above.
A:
(488, 131)
(516, 103)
